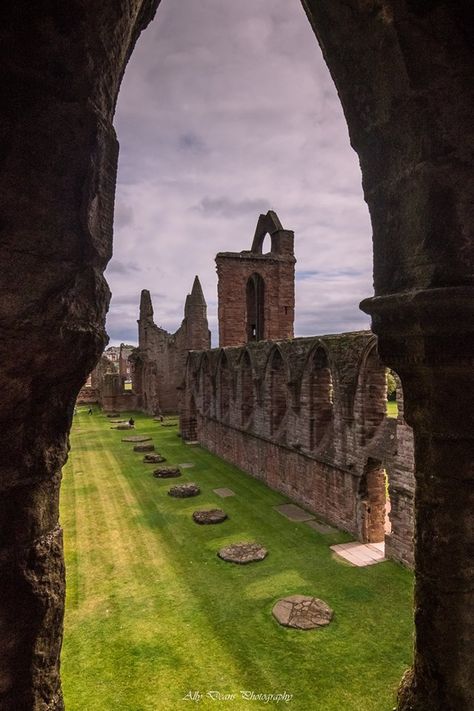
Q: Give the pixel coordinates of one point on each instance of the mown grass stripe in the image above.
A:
(156, 613)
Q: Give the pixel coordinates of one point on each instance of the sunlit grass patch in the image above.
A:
(153, 613)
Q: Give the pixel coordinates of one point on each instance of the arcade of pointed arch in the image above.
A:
(307, 416)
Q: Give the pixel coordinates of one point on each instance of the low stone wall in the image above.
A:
(124, 402)
(88, 396)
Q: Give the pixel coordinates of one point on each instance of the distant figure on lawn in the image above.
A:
(131, 422)
(90, 411)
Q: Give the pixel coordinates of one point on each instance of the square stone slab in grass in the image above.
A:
(186, 465)
(360, 554)
(320, 527)
(223, 492)
(293, 512)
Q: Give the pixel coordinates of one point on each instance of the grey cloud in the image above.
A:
(122, 334)
(330, 318)
(226, 207)
(232, 101)
(123, 216)
(191, 142)
(330, 274)
(116, 267)
(119, 301)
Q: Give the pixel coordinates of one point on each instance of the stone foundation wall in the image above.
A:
(114, 397)
(88, 396)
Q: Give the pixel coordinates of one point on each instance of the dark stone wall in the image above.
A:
(61, 69)
(403, 70)
(308, 417)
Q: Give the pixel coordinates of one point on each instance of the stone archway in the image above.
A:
(321, 406)
(403, 69)
(371, 396)
(371, 502)
(188, 421)
(276, 395)
(223, 386)
(247, 392)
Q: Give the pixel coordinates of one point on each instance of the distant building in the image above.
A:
(125, 366)
(113, 353)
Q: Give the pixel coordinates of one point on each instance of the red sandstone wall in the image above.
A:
(325, 490)
(334, 385)
(124, 402)
(278, 273)
(88, 396)
(160, 359)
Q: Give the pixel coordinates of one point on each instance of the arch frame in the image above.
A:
(409, 120)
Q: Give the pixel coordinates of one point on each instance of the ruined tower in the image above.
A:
(195, 319)
(145, 319)
(160, 359)
(256, 291)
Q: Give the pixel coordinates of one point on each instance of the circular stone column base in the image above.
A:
(136, 438)
(144, 448)
(302, 612)
(243, 553)
(209, 516)
(153, 459)
(166, 473)
(183, 491)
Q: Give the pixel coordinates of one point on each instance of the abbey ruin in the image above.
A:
(403, 70)
(305, 415)
(158, 364)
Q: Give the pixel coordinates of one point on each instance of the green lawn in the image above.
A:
(392, 408)
(152, 613)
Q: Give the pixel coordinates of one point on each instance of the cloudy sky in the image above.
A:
(227, 110)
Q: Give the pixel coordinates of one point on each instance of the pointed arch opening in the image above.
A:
(189, 422)
(321, 405)
(255, 296)
(372, 502)
(278, 392)
(371, 403)
(206, 387)
(224, 388)
(247, 392)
